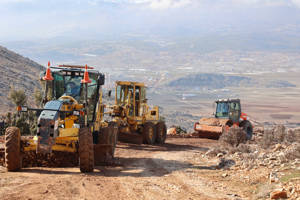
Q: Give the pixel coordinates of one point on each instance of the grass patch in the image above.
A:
(291, 175)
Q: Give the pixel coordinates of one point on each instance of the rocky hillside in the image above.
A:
(18, 72)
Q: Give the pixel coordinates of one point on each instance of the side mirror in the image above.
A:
(109, 93)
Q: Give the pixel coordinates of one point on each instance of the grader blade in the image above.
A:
(104, 150)
(103, 153)
(133, 138)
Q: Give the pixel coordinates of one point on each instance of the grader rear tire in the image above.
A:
(86, 150)
(149, 133)
(12, 149)
(161, 132)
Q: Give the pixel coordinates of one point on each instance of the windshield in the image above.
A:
(72, 86)
(122, 94)
(222, 109)
(234, 106)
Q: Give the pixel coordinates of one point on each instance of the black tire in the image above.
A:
(161, 132)
(149, 133)
(114, 133)
(86, 150)
(12, 149)
(247, 127)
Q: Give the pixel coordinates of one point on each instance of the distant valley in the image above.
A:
(183, 79)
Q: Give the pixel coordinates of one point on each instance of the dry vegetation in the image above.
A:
(277, 150)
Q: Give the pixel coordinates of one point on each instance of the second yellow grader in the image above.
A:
(137, 122)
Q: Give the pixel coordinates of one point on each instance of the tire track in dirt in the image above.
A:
(140, 172)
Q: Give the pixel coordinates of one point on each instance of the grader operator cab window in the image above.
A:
(58, 82)
(120, 94)
(72, 86)
(143, 95)
(69, 83)
(124, 93)
(137, 100)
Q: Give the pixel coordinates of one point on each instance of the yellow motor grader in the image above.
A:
(71, 120)
(137, 123)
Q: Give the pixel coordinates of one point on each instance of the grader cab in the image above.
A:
(137, 122)
(71, 120)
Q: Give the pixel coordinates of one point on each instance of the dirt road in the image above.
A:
(173, 171)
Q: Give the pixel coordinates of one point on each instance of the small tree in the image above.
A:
(18, 97)
(22, 121)
(38, 97)
(234, 136)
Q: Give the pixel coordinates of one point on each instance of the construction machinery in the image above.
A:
(71, 120)
(137, 122)
(228, 113)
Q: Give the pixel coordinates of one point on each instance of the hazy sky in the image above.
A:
(32, 19)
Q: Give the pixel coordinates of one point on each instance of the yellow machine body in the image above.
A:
(131, 111)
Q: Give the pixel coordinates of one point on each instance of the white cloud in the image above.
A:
(296, 2)
(15, 1)
(155, 4)
(164, 4)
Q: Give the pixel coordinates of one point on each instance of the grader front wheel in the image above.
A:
(86, 150)
(149, 133)
(12, 149)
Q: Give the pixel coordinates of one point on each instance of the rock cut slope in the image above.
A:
(18, 72)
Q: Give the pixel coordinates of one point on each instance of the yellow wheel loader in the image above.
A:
(71, 120)
(137, 122)
(228, 113)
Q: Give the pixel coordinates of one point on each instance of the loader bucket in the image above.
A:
(211, 128)
(133, 138)
(210, 132)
